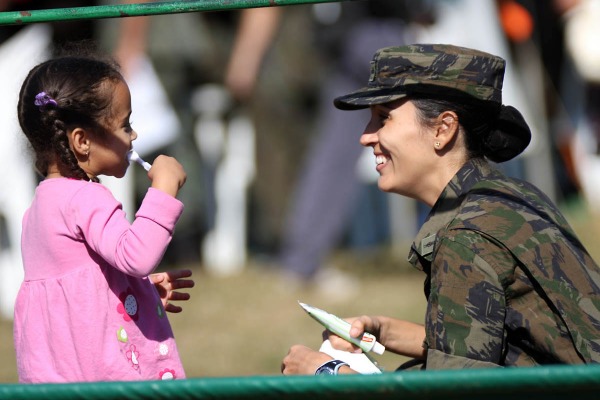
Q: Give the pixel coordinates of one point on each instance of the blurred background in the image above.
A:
(281, 202)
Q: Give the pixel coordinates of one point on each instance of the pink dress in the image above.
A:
(86, 310)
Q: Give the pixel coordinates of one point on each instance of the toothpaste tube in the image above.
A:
(341, 328)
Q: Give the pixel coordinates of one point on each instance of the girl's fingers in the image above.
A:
(182, 284)
(177, 296)
(179, 273)
(172, 308)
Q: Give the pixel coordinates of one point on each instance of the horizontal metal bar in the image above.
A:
(141, 9)
(533, 383)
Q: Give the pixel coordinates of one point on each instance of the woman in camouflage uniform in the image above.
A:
(508, 283)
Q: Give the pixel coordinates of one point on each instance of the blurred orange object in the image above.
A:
(516, 21)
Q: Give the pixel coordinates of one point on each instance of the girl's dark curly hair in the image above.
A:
(82, 92)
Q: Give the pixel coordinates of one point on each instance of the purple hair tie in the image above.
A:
(42, 100)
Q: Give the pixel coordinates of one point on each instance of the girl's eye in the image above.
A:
(128, 127)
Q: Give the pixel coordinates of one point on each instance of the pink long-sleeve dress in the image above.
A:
(86, 310)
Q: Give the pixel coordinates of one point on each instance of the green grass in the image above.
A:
(244, 325)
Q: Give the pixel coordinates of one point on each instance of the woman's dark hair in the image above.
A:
(77, 95)
(492, 130)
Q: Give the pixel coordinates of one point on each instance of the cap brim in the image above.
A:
(367, 97)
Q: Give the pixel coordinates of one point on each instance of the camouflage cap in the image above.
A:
(428, 69)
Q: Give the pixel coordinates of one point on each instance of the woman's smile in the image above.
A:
(381, 160)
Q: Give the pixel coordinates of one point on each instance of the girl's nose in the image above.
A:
(134, 135)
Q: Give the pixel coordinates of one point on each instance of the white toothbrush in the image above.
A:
(132, 155)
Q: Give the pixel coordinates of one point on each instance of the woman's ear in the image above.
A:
(80, 142)
(447, 129)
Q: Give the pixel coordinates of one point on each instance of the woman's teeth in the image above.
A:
(380, 159)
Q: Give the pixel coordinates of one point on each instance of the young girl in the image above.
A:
(86, 310)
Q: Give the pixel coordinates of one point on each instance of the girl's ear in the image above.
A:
(80, 142)
(447, 129)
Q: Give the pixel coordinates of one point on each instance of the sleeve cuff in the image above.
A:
(161, 208)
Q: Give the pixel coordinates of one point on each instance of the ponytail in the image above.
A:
(508, 137)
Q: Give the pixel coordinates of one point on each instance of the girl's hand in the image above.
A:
(166, 283)
(167, 175)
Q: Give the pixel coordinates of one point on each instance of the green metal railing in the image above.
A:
(141, 9)
(543, 383)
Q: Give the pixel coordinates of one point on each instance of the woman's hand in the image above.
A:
(302, 360)
(360, 325)
(398, 336)
(167, 284)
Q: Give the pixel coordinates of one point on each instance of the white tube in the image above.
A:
(341, 328)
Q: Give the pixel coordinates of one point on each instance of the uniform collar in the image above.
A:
(446, 208)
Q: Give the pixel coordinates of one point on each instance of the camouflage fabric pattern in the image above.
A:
(509, 283)
(428, 69)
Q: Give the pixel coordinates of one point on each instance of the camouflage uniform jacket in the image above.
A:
(508, 282)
